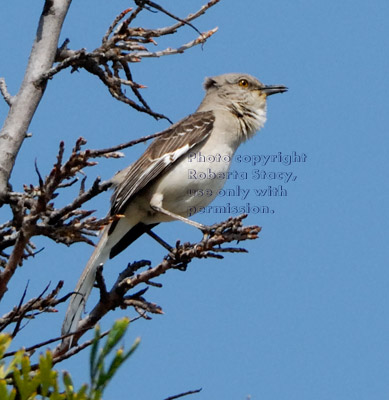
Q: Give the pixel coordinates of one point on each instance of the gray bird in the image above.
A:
(158, 188)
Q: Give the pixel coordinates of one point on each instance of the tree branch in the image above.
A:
(179, 258)
(169, 51)
(26, 101)
(36, 305)
(177, 396)
(122, 45)
(4, 91)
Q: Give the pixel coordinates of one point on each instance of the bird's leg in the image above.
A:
(159, 240)
(203, 228)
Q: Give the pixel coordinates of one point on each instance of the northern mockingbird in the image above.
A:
(157, 188)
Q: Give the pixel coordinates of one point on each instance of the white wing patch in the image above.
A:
(162, 153)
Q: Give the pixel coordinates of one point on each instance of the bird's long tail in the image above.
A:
(85, 285)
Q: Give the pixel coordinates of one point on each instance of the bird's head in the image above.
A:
(241, 94)
(241, 88)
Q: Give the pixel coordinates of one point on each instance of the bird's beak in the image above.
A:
(273, 89)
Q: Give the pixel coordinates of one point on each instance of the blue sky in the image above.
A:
(305, 314)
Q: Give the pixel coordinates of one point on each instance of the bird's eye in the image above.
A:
(243, 83)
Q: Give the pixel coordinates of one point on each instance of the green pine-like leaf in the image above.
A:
(47, 375)
(93, 353)
(117, 331)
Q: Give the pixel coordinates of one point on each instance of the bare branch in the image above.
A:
(4, 91)
(15, 258)
(70, 353)
(179, 258)
(122, 45)
(26, 102)
(148, 3)
(191, 17)
(72, 57)
(19, 319)
(75, 350)
(177, 396)
(32, 307)
(113, 149)
(34, 212)
(169, 51)
(115, 23)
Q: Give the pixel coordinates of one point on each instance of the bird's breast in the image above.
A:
(196, 179)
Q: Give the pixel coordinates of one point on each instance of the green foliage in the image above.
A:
(22, 381)
(99, 374)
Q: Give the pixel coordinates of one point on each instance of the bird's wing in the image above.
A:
(162, 153)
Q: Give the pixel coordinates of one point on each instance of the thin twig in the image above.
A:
(173, 28)
(4, 91)
(103, 152)
(142, 3)
(41, 344)
(169, 51)
(114, 23)
(60, 66)
(177, 396)
(19, 320)
(32, 307)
